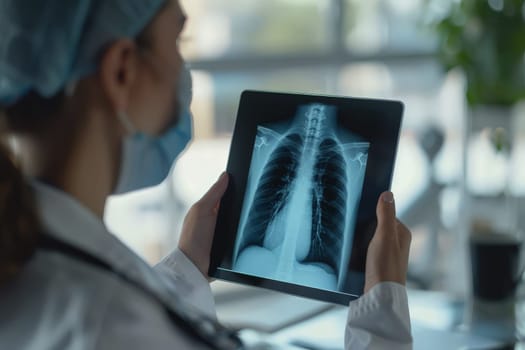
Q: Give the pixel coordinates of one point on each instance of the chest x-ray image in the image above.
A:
(301, 200)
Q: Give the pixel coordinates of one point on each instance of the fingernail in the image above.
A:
(388, 197)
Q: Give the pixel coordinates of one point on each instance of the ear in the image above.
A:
(117, 73)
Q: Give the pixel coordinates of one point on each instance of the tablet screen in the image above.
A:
(295, 219)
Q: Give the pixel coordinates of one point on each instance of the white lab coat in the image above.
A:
(58, 302)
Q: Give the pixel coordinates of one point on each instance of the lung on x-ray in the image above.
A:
(301, 200)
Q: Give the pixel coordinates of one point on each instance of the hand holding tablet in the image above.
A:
(305, 175)
(387, 255)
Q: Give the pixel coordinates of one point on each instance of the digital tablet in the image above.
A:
(306, 172)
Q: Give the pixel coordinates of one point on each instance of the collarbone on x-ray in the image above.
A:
(301, 200)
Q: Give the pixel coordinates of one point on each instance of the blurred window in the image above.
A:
(240, 28)
(376, 26)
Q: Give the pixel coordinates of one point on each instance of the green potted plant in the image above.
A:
(486, 40)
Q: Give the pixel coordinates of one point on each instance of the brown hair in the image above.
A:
(19, 225)
(19, 221)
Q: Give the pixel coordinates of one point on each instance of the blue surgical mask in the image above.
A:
(147, 160)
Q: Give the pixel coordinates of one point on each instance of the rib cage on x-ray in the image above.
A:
(299, 187)
(273, 189)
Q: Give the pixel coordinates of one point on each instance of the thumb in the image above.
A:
(386, 212)
(211, 199)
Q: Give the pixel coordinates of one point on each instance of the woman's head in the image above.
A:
(64, 95)
(125, 62)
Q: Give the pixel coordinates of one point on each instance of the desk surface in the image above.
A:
(437, 321)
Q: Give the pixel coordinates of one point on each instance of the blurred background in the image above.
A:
(390, 49)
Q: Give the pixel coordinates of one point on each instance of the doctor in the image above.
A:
(95, 100)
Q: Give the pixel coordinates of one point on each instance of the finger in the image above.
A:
(212, 198)
(404, 237)
(216, 208)
(386, 213)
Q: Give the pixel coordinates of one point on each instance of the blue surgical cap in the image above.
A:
(46, 44)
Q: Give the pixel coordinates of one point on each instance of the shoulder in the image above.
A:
(71, 304)
(58, 302)
(54, 298)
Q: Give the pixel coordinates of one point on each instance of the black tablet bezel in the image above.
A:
(376, 120)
